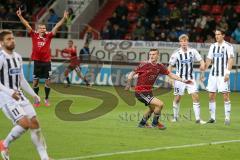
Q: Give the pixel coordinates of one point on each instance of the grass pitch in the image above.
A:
(115, 136)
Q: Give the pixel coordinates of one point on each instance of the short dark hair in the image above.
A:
(4, 32)
(154, 49)
(221, 30)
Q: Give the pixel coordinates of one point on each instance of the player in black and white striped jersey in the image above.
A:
(220, 55)
(13, 103)
(183, 58)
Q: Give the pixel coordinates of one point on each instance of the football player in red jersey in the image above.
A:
(147, 73)
(74, 63)
(41, 53)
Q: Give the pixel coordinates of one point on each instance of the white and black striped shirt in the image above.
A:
(10, 70)
(219, 54)
(184, 62)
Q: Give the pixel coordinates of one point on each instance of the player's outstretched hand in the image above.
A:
(16, 96)
(226, 78)
(65, 15)
(188, 81)
(19, 12)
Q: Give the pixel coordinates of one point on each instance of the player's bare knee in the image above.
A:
(226, 97)
(34, 123)
(212, 97)
(24, 122)
(35, 83)
(47, 83)
(177, 99)
(195, 98)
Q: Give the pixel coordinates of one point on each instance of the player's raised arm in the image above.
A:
(60, 23)
(24, 21)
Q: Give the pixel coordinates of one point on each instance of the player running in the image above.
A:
(41, 53)
(220, 55)
(13, 102)
(184, 58)
(147, 73)
(74, 63)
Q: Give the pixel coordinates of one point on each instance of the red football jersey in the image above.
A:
(147, 75)
(41, 46)
(73, 56)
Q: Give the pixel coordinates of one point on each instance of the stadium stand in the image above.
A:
(149, 20)
(166, 19)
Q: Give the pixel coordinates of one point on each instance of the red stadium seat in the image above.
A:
(131, 7)
(139, 6)
(171, 6)
(205, 8)
(132, 16)
(218, 18)
(128, 36)
(132, 27)
(237, 9)
(216, 9)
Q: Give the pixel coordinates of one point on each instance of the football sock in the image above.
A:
(39, 142)
(16, 132)
(176, 108)
(68, 81)
(36, 89)
(212, 109)
(145, 119)
(155, 119)
(86, 81)
(47, 91)
(196, 109)
(227, 106)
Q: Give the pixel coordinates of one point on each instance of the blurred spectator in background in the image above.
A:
(114, 19)
(138, 32)
(164, 11)
(70, 17)
(3, 13)
(105, 32)
(209, 39)
(122, 9)
(84, 53)
(123, 24)
(236, 34)
(115, 33)
(53, 19)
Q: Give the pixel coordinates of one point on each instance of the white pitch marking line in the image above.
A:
(149, 150)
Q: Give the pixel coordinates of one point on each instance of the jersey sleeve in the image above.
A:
(163, 69)
(173, 59)
(197, 56)
(50, 35)
(210, 52)
(230, 51)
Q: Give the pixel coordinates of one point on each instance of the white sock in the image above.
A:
(196, 109)
(212, 109)
(16, 132)
(227, 106)
(176, 108)
(39, 142)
